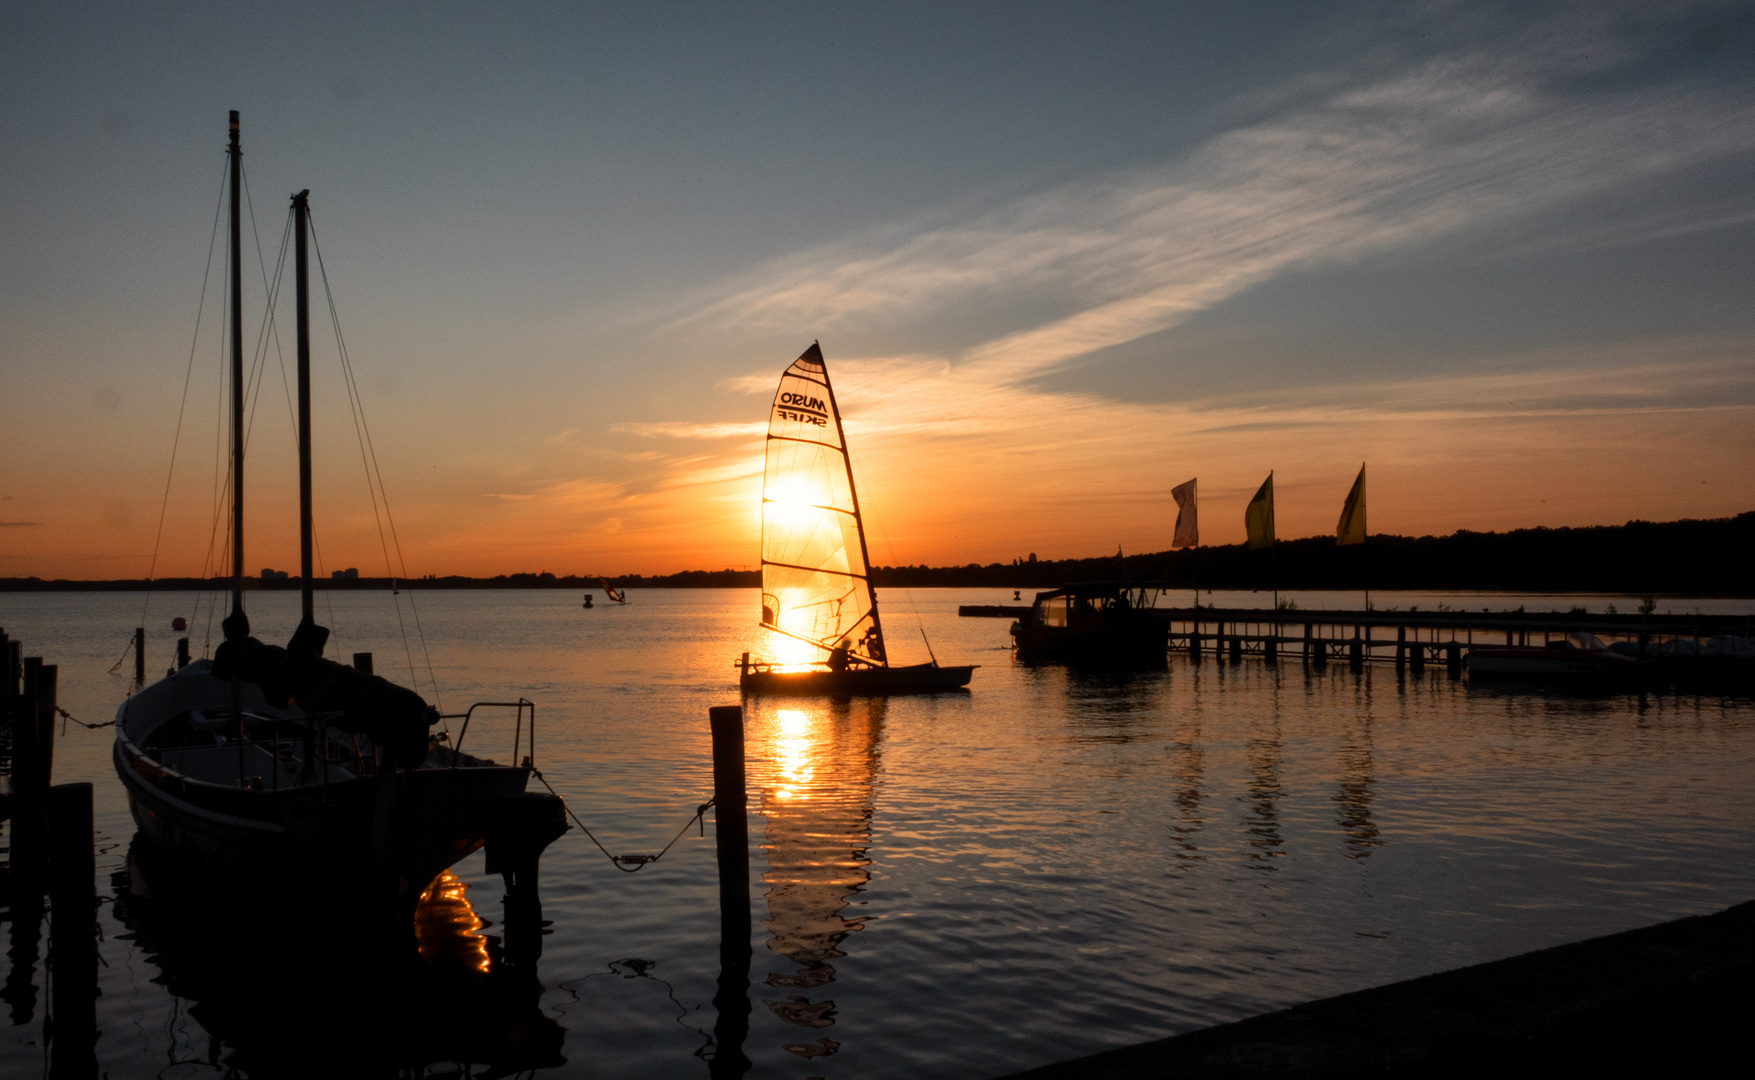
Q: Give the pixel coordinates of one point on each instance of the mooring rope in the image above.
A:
(627, 864)
(65, 716)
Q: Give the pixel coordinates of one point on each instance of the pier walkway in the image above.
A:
(1670, 999)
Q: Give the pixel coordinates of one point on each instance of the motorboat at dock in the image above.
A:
(1578, 655)
(1112, 622)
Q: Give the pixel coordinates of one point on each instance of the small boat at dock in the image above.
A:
(817, 598)
(1110, 622)
(1580, 654)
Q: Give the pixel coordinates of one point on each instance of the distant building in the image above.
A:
(271, 575)
(352, 573)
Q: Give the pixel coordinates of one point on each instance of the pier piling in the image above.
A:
(139, 656)
(731, 840)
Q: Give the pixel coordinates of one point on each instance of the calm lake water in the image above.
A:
(1054, 863)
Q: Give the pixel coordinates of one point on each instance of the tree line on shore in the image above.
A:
(1709, 557)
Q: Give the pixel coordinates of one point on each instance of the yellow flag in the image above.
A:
(1258, 517)
(1351, 529)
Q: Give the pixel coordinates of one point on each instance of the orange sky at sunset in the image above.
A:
(1501, 256)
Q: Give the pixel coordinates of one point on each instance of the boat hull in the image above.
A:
(858, 682)
(397, 831)
(1542, 663)
(1135, 641)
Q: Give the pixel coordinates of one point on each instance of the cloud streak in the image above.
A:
(1456, 141)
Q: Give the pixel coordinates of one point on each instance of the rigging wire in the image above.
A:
(183, 405)
(369, 449)
(878, 520)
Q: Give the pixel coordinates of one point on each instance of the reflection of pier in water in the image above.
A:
(817, 801)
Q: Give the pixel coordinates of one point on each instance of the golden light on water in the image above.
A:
(446, 926)
(792, 754)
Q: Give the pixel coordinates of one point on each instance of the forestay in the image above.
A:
(814, 574)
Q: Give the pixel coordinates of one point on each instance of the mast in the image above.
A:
(302, 275)
(858, 518)
(237, 624)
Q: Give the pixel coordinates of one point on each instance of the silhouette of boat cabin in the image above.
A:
(1108, 622)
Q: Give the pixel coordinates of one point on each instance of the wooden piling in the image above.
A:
(140, 656)
(182, 653)
(1236, 646)
(73, 932)
(1453, 657)
(731, 840)
(1401, 647)
(1356, 651)
(1270, 646)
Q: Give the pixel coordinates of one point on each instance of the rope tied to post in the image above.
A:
(628, 864)
(65, 716)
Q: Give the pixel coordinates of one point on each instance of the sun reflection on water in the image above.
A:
(446, 926)
(792, 759)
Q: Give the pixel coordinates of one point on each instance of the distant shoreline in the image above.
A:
(1698, 558)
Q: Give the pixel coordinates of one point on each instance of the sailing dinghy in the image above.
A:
(817, 596)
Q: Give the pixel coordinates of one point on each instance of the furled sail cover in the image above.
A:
(813, 564)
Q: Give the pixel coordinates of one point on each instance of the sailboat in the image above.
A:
(817, 596)
(276, 758)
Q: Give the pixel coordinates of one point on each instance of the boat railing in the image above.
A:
(517, 726)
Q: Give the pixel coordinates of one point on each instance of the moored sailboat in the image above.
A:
(817, 596)
(277, 758)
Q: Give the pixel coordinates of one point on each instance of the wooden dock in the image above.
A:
(1411, 638)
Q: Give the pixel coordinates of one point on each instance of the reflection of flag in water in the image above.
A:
(609, 591)
(1187, 520)
(1258, 517)
(1351, 529)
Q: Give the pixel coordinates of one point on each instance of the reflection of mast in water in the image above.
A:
(817, 803)
(1353, 796)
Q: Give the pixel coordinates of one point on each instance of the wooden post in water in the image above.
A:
(1236, 644)
(1401, 646)
(1453, 657)
(1270, 646)
(73, 932)
(139, 656)
(731, 839)
(182, 653)
(1194, 638)
(1356, 651)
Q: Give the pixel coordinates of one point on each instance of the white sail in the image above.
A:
(815, 585)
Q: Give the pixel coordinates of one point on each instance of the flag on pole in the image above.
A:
(1258, 517)
(1187, 517)
(1351, 529)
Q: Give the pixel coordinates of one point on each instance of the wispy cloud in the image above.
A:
(1456, 141)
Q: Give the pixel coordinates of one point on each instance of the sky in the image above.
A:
(1060, 258)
